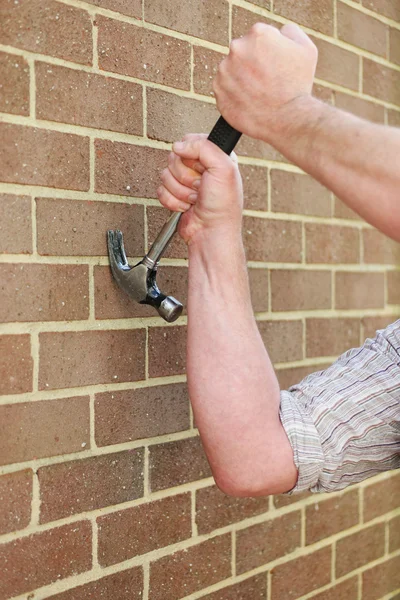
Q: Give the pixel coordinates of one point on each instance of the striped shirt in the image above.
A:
(344, 422)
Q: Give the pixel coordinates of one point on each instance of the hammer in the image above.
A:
(139, 282)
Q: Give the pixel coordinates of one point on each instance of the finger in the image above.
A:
(203, 151)
(169, 201)
(296, 34)
(182, 173)
(181, 192)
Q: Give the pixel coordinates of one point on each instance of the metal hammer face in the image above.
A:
(139, 282)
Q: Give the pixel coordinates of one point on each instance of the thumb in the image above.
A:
(202, 151)
(296, 34)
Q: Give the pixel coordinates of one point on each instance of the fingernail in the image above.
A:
(196, 184)
(192, 198)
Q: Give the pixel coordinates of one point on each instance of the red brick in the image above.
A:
(41, 157)
(394, 118)
(361, 108)
(14, 74)
(15, 500)
(128, 170)
(209, 22)
(381, 497)
(15, 224)
(388, 8)
(331, 337)
(141, 529)
(337, 65)
(255, 187)
(301, 575)
(44, 558)
(156, 218)
(72, 359)
(372, 324)
(272, 240)
(361, 30)
(132, 8)
(123, 416)
(293, 375)
(167, 351)
(394, 48)
(205, 66)
(170, 116)
(243, 20)
(359, 290)
(258, 280)
(283, 500)
(393, 287)
(137, 52)
(258, 149)
(64, 429)
(90, 483)
(215, 509)
(328, 517)
(125, 585)
(341, 211)
(300, 194)
(300, 290)
(347, 590)
(31, 292)
(176, 463)
(111, 303)
(381, 82)
(332, 244)
(47, 27)
(379, 249)
(190, 570)
(381, 579)
(71, 96)
(16, 364)
(283, 339)
(79, 228)
(316, 15)
(394, 534)
(359, 549)
(254, 588)
(262, 543)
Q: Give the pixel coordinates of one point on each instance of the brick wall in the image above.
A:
(104, 489)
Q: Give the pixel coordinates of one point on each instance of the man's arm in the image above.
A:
(263, 88)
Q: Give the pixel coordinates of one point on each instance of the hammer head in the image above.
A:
(139, 282)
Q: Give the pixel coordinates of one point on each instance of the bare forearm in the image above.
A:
(357, 160)
(232, 384)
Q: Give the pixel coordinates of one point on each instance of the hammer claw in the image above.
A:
(116, 250)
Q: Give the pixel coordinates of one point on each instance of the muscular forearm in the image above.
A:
(232, 385)
(357, 160)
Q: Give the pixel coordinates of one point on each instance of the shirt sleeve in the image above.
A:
(344, 422)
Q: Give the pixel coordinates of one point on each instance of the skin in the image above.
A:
(233, 388)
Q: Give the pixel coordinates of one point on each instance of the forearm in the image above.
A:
(232, 384)
(357, 160)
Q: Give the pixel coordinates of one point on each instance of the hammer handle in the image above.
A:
(226, 138)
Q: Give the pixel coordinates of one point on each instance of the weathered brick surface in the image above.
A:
(394, 118)
(330, 337)
(283, 339)
(388, 8)
(361, 108)
(132, 8)
(14, 75)
(90, 483)
(80, 98)
(16, 364)
(130, 50)
(255, 187)
(125, 585)
(79, 228)
(215, 509)
(372, 324)
(123, 416)
(128, 170)
(359, 549)
(64, 428)
(394, 45)
(29, 155)
(254, 588)
(242, 21)
(167, 351)
(44, 558)
(300, 290)
(331, 244)
(381, 579)
(258, 279)
(175, 463)
(293, 375)
(43, 292)
(208, 21)
(302, 575)
(379, 249)
(316, 15)
(380, 81)
(337, 65)
(394, 534)
(188, 571)
(361, 30)
(347, 590)
(300, 194)
(260, 544)
(47, 27)
(15, 500)
(162, 522)
(331, 516)
(72, 359)
(15, 224)
(205, 66)
(272, 241)
(359, 290)
(283, 500)
(381, 497)
(341, 211)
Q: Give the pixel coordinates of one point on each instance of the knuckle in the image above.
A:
(235, 46)
(259, 29)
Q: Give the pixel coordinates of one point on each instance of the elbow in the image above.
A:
(242, 488)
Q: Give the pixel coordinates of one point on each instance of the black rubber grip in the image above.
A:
(224, 136)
